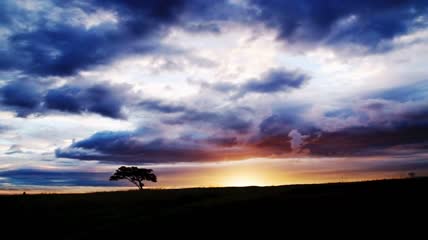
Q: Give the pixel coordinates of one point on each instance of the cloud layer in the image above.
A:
(367, 23)
(26, 98)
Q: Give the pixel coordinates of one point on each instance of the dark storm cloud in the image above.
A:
(271, 81)
(109, 142)
(273, 131)
(395, 119)
(41, 45)
(102, 99)
(277, 124)
(274, 81)
(363, 141)
(285, 119)
(129, 148)
(382, 127)
(57, 47)
(26, 97)
(61, 50)
(23, 96)
(44, 46)
(64, 99)
(368, 22)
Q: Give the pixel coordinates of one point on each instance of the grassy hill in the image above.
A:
(215, 211)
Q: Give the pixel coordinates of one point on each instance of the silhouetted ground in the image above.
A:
(351, 209)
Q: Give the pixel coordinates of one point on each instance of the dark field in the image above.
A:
(356, 208)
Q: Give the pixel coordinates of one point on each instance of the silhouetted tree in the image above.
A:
(135, 175)
(411, 174)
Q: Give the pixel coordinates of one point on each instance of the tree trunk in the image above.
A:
(140, 186)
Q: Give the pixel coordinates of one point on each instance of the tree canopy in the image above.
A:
(135, 175)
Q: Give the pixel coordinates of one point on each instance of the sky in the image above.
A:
(211, 93)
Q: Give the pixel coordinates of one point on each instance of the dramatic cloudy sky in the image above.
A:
(212, 93)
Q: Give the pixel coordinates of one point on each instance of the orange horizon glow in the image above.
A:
(239, 181)
(250, 172)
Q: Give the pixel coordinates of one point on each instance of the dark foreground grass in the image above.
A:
(390, 205)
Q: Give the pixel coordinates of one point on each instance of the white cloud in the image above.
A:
(45, 133)
(297, 139)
